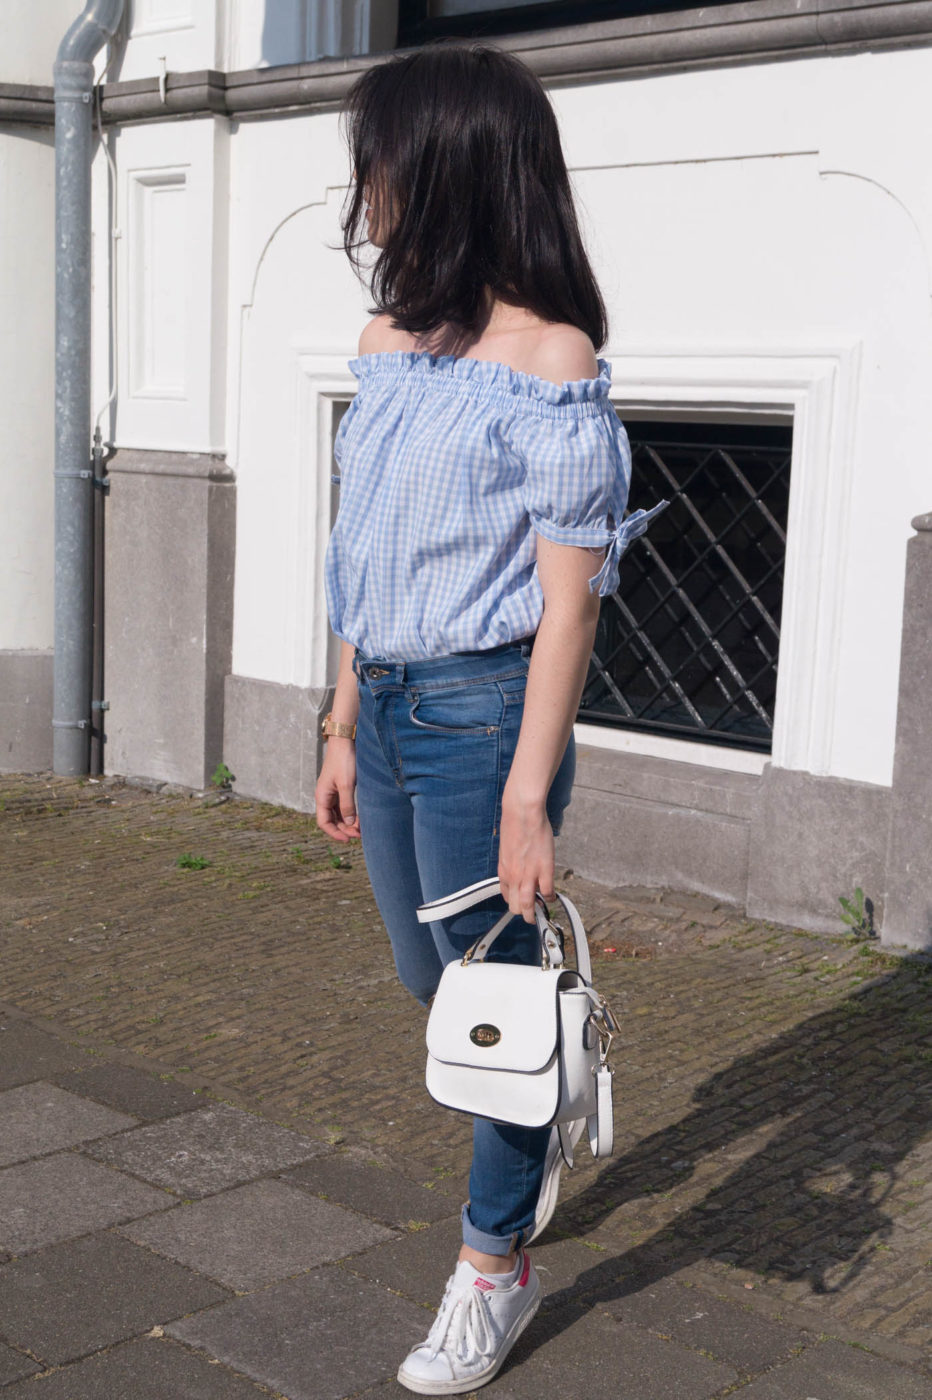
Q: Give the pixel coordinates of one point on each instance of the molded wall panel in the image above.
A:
(173, 202)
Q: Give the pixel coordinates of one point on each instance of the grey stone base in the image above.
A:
(814, 840)
(26, 711)
(271, 740)
(909, 853)
(170, 544)
(654, 821)
(784, 845)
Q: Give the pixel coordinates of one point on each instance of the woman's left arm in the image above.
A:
(557, 674)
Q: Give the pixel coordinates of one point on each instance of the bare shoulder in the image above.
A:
(561, 353)
(379, 335)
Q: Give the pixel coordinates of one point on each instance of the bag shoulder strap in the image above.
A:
(462, 899)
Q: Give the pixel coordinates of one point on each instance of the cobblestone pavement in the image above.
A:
(173, 959)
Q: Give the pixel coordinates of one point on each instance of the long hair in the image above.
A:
(460, 145)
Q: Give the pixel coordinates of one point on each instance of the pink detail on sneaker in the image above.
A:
(522, 1281)
(484, 1284)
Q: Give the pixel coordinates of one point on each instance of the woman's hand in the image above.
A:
(335, 794)
(525, 853)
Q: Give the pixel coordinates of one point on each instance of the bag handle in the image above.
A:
(484, 889)
(550, 950)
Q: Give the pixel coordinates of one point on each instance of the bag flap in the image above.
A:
(495, 1016)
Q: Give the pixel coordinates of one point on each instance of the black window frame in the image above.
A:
(417, 26)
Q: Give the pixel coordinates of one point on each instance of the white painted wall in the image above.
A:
(32, 33)
(762, 234)
(296, 309)
(27, 309)
(27, 387)
(181, 35)
(750, 225)
(786, 207)
(231, 35)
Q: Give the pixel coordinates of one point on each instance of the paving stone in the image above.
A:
(375, 1191)
(386, 1390)
(204, 1151)
(757, 1022)
(832, 1370)
(148, 1369)
(73, 1298)
(59, 1197)
(40, 1117)
(584, 1352)
(724, 1330)
(254, 1234)
(569, 1269)
(28, 1053)
(417, 1265)
(14, 1365)
(322, 1336)
(131, 1090)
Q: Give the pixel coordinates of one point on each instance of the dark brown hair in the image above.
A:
(461, 144)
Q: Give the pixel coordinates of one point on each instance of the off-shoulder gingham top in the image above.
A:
(448, 469)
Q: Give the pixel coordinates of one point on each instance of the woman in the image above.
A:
(484, 476)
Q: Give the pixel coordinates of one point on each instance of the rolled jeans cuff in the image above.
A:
(502, 1245)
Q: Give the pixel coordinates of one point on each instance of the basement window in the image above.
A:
(688, 646)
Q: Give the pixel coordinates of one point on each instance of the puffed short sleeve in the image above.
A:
(577, 476)
(340, 438)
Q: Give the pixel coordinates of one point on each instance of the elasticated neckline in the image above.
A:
(489, 379)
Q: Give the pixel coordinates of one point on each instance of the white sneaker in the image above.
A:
(559, 1153)
(476, 1326)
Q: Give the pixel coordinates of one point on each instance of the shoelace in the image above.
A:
(462, 1325)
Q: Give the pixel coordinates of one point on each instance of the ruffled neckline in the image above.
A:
(493, 375)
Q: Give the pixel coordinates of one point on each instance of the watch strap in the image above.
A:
(337, 728)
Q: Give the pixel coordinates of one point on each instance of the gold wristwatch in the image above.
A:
(337, 728)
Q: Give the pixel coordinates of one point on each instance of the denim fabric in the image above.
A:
(434, 744)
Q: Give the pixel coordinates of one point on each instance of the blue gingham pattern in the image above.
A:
(448, 467)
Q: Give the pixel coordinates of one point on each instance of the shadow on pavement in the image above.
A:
(846, 1095)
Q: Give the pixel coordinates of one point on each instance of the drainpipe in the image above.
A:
(74, 485)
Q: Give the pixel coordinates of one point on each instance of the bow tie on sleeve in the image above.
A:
(606, 580)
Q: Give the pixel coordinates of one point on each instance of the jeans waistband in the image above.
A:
(492, 661)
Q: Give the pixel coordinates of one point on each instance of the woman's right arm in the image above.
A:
(335, 795)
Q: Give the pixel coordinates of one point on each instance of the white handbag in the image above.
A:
(518, 1043)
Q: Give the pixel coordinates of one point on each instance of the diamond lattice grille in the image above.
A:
(688, 645)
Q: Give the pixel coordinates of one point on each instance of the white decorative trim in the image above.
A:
(149, 17)
(157, 305)
(602, 736)
(818, 387)
(323, 380)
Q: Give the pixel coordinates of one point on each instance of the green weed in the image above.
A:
(189, 862)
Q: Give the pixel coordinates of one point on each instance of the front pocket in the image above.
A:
(470, 708)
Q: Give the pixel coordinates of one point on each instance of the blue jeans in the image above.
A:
(434, 744)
